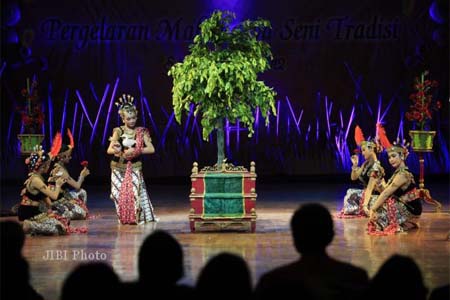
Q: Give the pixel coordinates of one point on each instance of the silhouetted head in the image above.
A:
(225, 268)
(91, 281)
(440, 293)
(312, 228)
(160, 259)
(400, 278)
(12, 239)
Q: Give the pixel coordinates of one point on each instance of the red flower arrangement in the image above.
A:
(421, 110)
(84, 163)
(31, 114)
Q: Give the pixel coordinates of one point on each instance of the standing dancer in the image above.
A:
(127, 144)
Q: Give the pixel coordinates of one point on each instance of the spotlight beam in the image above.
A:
(111, 101)
(98, 113)
(83, 106)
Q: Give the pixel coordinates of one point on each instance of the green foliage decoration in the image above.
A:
(220, 74)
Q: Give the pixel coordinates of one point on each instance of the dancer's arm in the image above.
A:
(368, 193)
(399, 180)
(37, 184)
(356, 171)
(148, 146)
(77, 184)
(380, 185)
(114, 145)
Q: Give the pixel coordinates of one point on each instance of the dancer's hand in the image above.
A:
(379, 184)
(85, 172)
(117, 147)
(129, 153)
(373, 215)
(60, 181)
(355, 160)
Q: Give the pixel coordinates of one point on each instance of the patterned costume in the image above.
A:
(128, 189)
(353, 200)
(370, 169)
(400, 211)
(40, 223)
(32, 200)
(399, 206)
(71, 202)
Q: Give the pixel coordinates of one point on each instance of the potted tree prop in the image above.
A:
(32, 119)
(219, 77)
(420, 113)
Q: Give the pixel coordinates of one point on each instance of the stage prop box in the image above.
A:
(223, 200)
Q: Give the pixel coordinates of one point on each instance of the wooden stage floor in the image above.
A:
(269, 247)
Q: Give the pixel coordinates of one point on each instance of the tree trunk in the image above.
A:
(220, 141)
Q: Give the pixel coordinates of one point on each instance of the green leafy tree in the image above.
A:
(219, 76)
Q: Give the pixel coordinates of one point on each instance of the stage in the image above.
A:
(51, 258)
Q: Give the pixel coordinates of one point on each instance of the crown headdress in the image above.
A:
(400, 147)
(125, 101)
(36, 158)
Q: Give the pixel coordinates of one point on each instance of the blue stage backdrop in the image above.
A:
(336, 64)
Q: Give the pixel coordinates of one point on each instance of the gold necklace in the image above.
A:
(128, 131)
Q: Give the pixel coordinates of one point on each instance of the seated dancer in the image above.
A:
(127, 145)
(36, 193)
(369, 173)
(72, 199)
(399, 206)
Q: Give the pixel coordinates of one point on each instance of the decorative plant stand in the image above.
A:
(223, 200)
(422, 142)
(28, 141)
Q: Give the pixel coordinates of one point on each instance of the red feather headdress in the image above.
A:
(359, 136)
(381, 133)
(69, 134)
(56, 145)
(397, 146)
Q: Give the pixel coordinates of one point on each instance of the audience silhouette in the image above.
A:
(91, 281)
(14, 275)
(225, 276)
(440, 293)
(398, 278)
(160, 266)
(315, 275)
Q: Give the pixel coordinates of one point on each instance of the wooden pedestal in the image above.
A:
(223, 200)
